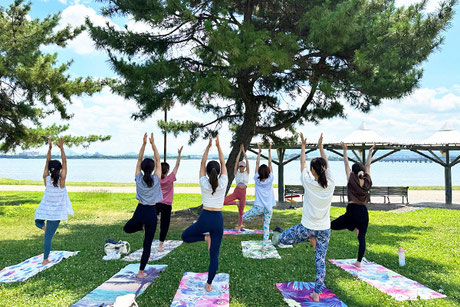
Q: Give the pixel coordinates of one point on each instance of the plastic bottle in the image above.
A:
(402, 256)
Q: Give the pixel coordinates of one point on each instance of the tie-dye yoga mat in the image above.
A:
(168, 246)
(388, 281)
(297, 294)
(191, 291)
(32, 266)
(244, 231)
(251, 249)
(122, 283)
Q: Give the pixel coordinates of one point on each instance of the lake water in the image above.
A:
(114, 170)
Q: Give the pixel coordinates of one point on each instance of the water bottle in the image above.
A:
(402, 257)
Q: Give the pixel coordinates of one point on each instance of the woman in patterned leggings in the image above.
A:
(315, 224)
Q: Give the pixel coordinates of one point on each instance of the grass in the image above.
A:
(430, 237)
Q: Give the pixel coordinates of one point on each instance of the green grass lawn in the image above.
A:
(430, 237)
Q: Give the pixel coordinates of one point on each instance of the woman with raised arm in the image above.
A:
(265, 196)
(164, 207)
(241, 172)
(319, 189)
(213, 183)
(356, 217)
(148, 193)
(55, 205)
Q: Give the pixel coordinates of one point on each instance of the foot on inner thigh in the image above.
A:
(314, 296)
(312, 242)
(208, 287)
(45, 262)
(207, 238)
(141, 274)
(357, 231)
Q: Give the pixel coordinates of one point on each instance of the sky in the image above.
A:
(411, 119)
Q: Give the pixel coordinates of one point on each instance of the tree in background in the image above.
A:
(32, 85)
(261, 66)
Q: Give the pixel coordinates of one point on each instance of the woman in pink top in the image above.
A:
(165, 206)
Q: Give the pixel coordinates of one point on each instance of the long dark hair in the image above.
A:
(359, 170)
(54, 167)
(147, 166)
(213, 171)
(164, 169)
(319, 165)
(264, 172)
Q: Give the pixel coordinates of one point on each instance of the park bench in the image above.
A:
(294, 191)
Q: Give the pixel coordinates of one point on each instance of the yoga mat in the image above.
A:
(297, 294)
(244, 231)
(32, 266)
(168, 246)
(122, 283)
(191, 291)
(388, 281)
(251, 249)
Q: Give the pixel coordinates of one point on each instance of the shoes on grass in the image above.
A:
(112, 256)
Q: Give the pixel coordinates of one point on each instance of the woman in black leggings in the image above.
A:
(356, 217)
(148, 192)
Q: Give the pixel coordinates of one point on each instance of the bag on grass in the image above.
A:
(120, 247)
(128, 300)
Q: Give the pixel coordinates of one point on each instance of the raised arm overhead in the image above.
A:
(258, 158)
(345, 160)
(247, 160)
(48, 159)
(156, 156)
(321, 150)
(302, 152)
(141, 155)
(64, 164)
(270, 158)
(223, 167)
(205, 158)
(235, 170)
(369, 160)
(176, 167)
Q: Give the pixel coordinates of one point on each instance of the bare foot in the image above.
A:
(45, 262)
(312, 242)
(44, 227)
(208, 287)
(357, 264)
(357, 232)
(207, 238)
(314, 296)
(262, 250)
(141, 274)
(160, 247)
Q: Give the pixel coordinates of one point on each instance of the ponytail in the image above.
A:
(164, 169)
(213, 171)
(319, 165)
(213, 180)
(147, 166)
(359, 170)
(54, 167)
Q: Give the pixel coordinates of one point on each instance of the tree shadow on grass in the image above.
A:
(17, 200)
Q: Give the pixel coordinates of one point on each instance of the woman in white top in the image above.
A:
(213, 188)
(241, 179)
(55, 205)
(319, 189)
(265, 197)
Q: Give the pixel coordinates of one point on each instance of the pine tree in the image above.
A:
(32, 85)
(262, 66)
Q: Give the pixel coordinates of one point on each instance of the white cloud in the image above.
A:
(75, 16)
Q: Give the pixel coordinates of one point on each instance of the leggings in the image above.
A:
(356, 216)
(212, 222)
(300, 233)
(144, 218)
(256, 211)
(51, 227)
(240, 194)
(165, 219)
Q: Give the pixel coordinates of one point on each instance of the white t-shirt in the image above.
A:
(317, 201)
(242, 178)
(265, 197)
(215, 200)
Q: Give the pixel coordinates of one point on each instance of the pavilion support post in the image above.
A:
(280, 152)
(448, 179)
(363, 155)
